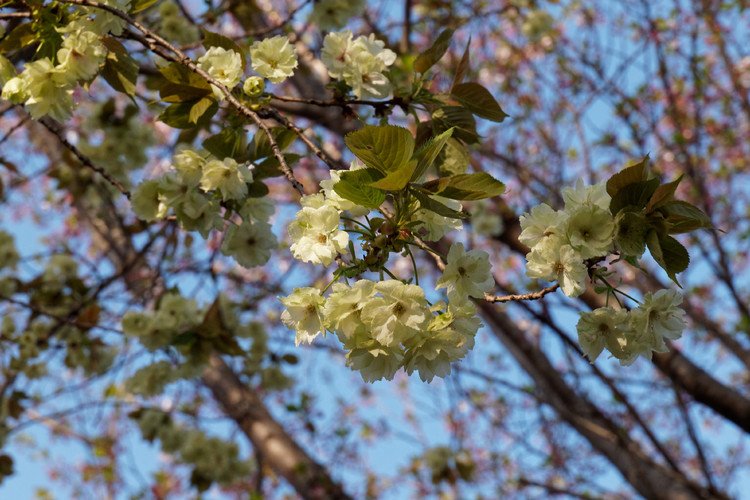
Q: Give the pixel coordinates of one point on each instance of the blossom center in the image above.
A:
(399, 309)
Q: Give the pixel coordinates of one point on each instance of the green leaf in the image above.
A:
(21, 36)
(429, 57)
(261, 146)
(663, 195)
(454, 159)
(428, 153)
(463, 67)
(668, 253)
(187, 338)
(49, 38)
(633, 195)
(211, 39)
(635, 172)
(458, 118)
(229, 143)
(682, 217)
(190, 114)
(202, 107)
(398, 179)
(120, 70)
(475, 186)
(479, 101)
(141, 5)
(385, 148)
(630, 232)
(257, 189)
(177, 92)
(428, 203)
(354, 186)
(179, 84)
(269, 167)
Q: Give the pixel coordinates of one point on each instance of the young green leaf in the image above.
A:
(631, 228)
(19, 37)
(458, 118)
(663, 195)
(479, 101)
(398, 179)
(634, 195)
(261, 146)
(200, 109)
(269, 166)
(468, 187)
(257, 189)
(636, 172)
(454, 159)
(429, 57)
(141, 5)
(354, 187)
(386, 148)
(49, 38)
(428, 203)
(668, 253)
(119, 70)
(189, 114)
(428, 153)
(682, 217)
(463, 66)
(229, 143)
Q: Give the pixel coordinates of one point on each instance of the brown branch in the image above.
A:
(15, 15)
(279, 450)
(523, 296)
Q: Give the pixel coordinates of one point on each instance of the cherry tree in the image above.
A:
(245, 234)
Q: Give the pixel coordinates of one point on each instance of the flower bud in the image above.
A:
(254, 86)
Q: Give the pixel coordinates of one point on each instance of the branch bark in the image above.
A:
(651, 479)
(310, 479)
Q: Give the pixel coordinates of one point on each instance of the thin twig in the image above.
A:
(52, 127)
(15, 15)
(325, 157)
(521, 296)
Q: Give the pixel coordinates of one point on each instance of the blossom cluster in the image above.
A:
(360, 62)
(638, 332)
(212, 459)
(197, 189)
(174, 315)
(272, 58)
(388, 324)
(384, 326)
(118, 144)
(333, 14)
(561, 241)
(566, 245)
(174, 26)
(46, 85)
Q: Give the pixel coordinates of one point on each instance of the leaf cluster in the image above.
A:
(647, 214)
(395, 167)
